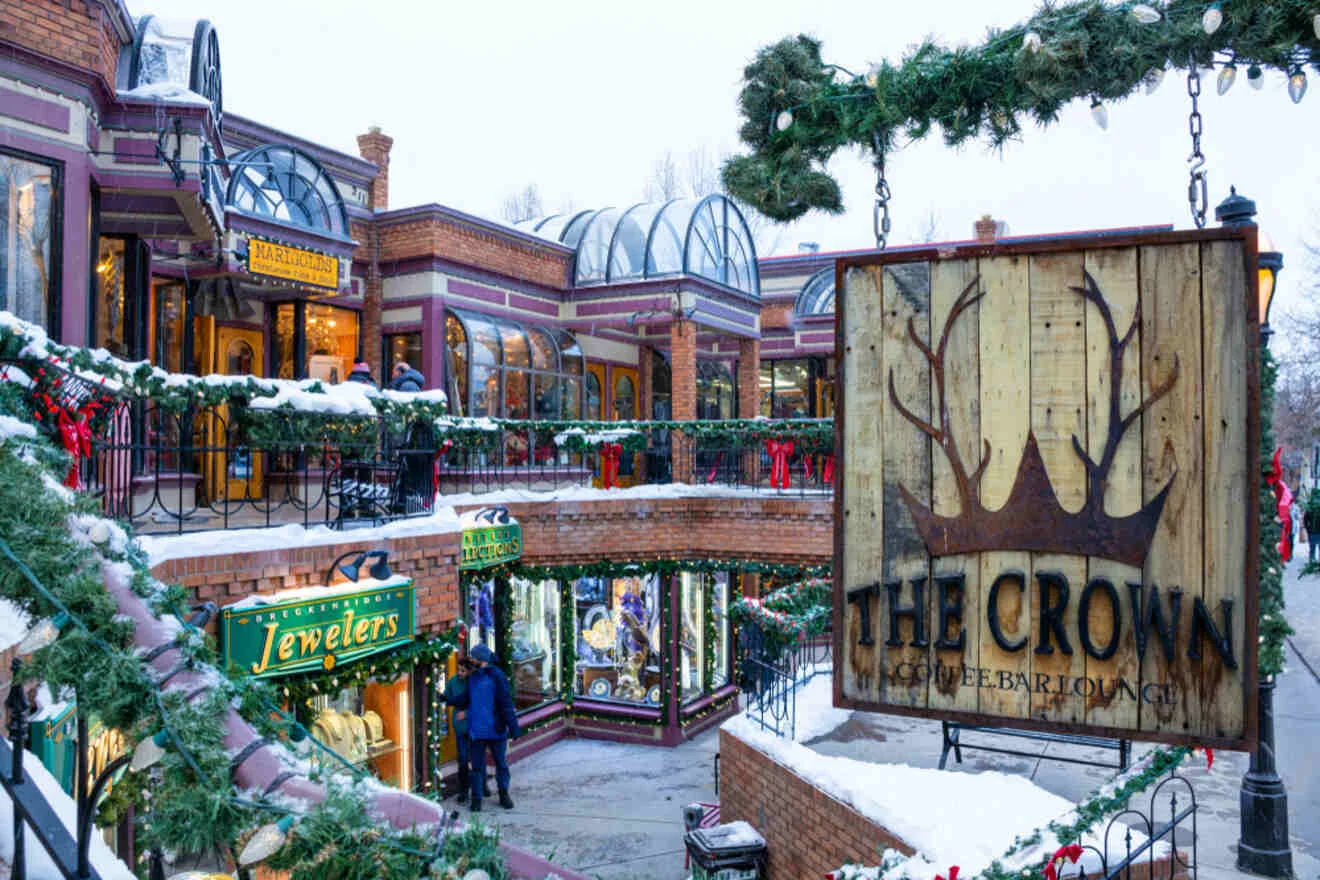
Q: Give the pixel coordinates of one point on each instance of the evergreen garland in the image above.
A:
(1087, 49)
(1273, 625)
(813, 436)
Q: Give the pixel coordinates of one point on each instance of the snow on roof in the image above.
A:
(39, 864)
(319, 591)
(948, 817)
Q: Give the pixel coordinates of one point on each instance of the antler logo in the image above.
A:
(1033, 519)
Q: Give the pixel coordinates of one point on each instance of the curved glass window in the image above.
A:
(502, 369)
(707, 237)
(816, 296)
(284, 184)
(184, 54)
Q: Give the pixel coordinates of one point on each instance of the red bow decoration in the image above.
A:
(828, 475)
(76, 438)
(435, 466)
(1283, 497)
(609, 464)
(779, 451)
(953, 874)
(1209, 757)
(1072, 852)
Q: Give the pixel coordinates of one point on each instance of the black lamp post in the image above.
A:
(1263, 801)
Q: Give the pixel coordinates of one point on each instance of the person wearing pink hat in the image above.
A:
(361, 373)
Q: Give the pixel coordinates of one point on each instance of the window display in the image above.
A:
(618, 635)
(369, 726)
(692, 635)
(535, 635)
(111, 303)
(480, 615)
(29, 236)
(719, 609)
(504, 369)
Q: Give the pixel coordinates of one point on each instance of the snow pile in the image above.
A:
(39, 864)
(949, 818)
(594, 438)
(165, 91)
(12, 427)
(316, 592)
(345, 399)
(14, 624)
(163, 548)
(587, 493)
(98, 533)
(816, 714)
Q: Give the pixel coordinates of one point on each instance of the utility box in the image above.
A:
(735, 851)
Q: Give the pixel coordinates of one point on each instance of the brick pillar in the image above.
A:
(749, 401)
(375, 147)
(683, 396)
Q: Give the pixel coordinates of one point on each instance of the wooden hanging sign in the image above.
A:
(1048, 497)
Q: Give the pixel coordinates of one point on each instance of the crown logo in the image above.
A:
(1033, 519)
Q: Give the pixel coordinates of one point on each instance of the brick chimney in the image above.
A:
(375, 147)
(987, 228)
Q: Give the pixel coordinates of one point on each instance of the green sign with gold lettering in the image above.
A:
(317, 631)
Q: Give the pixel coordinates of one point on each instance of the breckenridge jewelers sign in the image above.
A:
(1048, 499)
(490, 536)
(317, 632)
(292, 264)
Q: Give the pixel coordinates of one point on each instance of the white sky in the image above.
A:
(582, 96)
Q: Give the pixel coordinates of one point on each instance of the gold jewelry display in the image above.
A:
(375, 727)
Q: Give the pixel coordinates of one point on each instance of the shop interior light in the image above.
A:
(266, 842)
(150, 750)
(44, 633)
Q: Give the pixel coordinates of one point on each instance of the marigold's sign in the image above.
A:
(490, 536)
(317, 633)
(1048, 496)
(292, 264)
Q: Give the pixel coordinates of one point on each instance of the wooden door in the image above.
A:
(234, 472)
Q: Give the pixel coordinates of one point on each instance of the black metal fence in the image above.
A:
(770, 677)
(220, 468)
(1146, 845)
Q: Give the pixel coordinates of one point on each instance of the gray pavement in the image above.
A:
(612, 810)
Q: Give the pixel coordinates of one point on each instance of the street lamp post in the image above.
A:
(1263, 801)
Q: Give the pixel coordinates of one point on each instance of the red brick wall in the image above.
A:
(749, 378)
(450, 241)
(807, 833)
(768, 529)
(375, 147)
(77, 32)
(774, 317)
(430, 560)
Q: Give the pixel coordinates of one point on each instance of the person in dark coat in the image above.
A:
(492, 720)
(405, 378)
(361, 374)
(456, 696)
(1311, 522)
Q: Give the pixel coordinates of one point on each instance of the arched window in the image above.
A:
(816, 296)
(184, 54)
(706, 237)
(282, 183)
(503, 369)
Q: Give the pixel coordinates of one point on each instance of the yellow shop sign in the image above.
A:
(292, 264)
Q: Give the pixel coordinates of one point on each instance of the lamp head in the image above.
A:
(1268, 262)
(380, 569)
(202, 616)
(350, 569)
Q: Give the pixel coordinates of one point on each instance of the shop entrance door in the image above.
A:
(235, 470)
(624, 403)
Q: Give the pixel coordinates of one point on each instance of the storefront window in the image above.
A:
(714, 390)
(661, 388)
(111, 305)
(332, 342)
(29, 235)
(625, 398)
(719, 607)
(792, 390)
(796, 389)
(370, 726)
(691, 671)
(480, 615)
(535, 634)
(406, 347)
(168, 327)
(618, 636)
(593, 398)
(284, 342)
(503, 369)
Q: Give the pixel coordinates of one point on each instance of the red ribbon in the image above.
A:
(779, 451)
(1283, 497)
(609, 464)
(435, 466)
(1072, 852)
(76, 438)
(828, 476)
(953, 874)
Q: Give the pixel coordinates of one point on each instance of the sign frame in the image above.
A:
(1125, 238)
(268, 266)
(489, 527)
(230, 618)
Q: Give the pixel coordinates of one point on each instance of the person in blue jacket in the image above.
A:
(491, 722)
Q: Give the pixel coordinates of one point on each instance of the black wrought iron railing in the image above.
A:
(771, 677)
(220, 468)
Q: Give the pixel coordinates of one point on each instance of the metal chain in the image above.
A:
(1197, 192)
(880, 217)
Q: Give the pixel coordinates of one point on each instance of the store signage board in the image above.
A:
(1048, 501)
(491, 536)
(317, 632)
(54, 739)
(292, 264)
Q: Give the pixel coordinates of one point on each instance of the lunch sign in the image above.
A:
(1048, 499)
(317, 632)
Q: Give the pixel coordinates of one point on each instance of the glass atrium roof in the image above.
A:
(284, 184)
(816, 296)
(706, 237)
